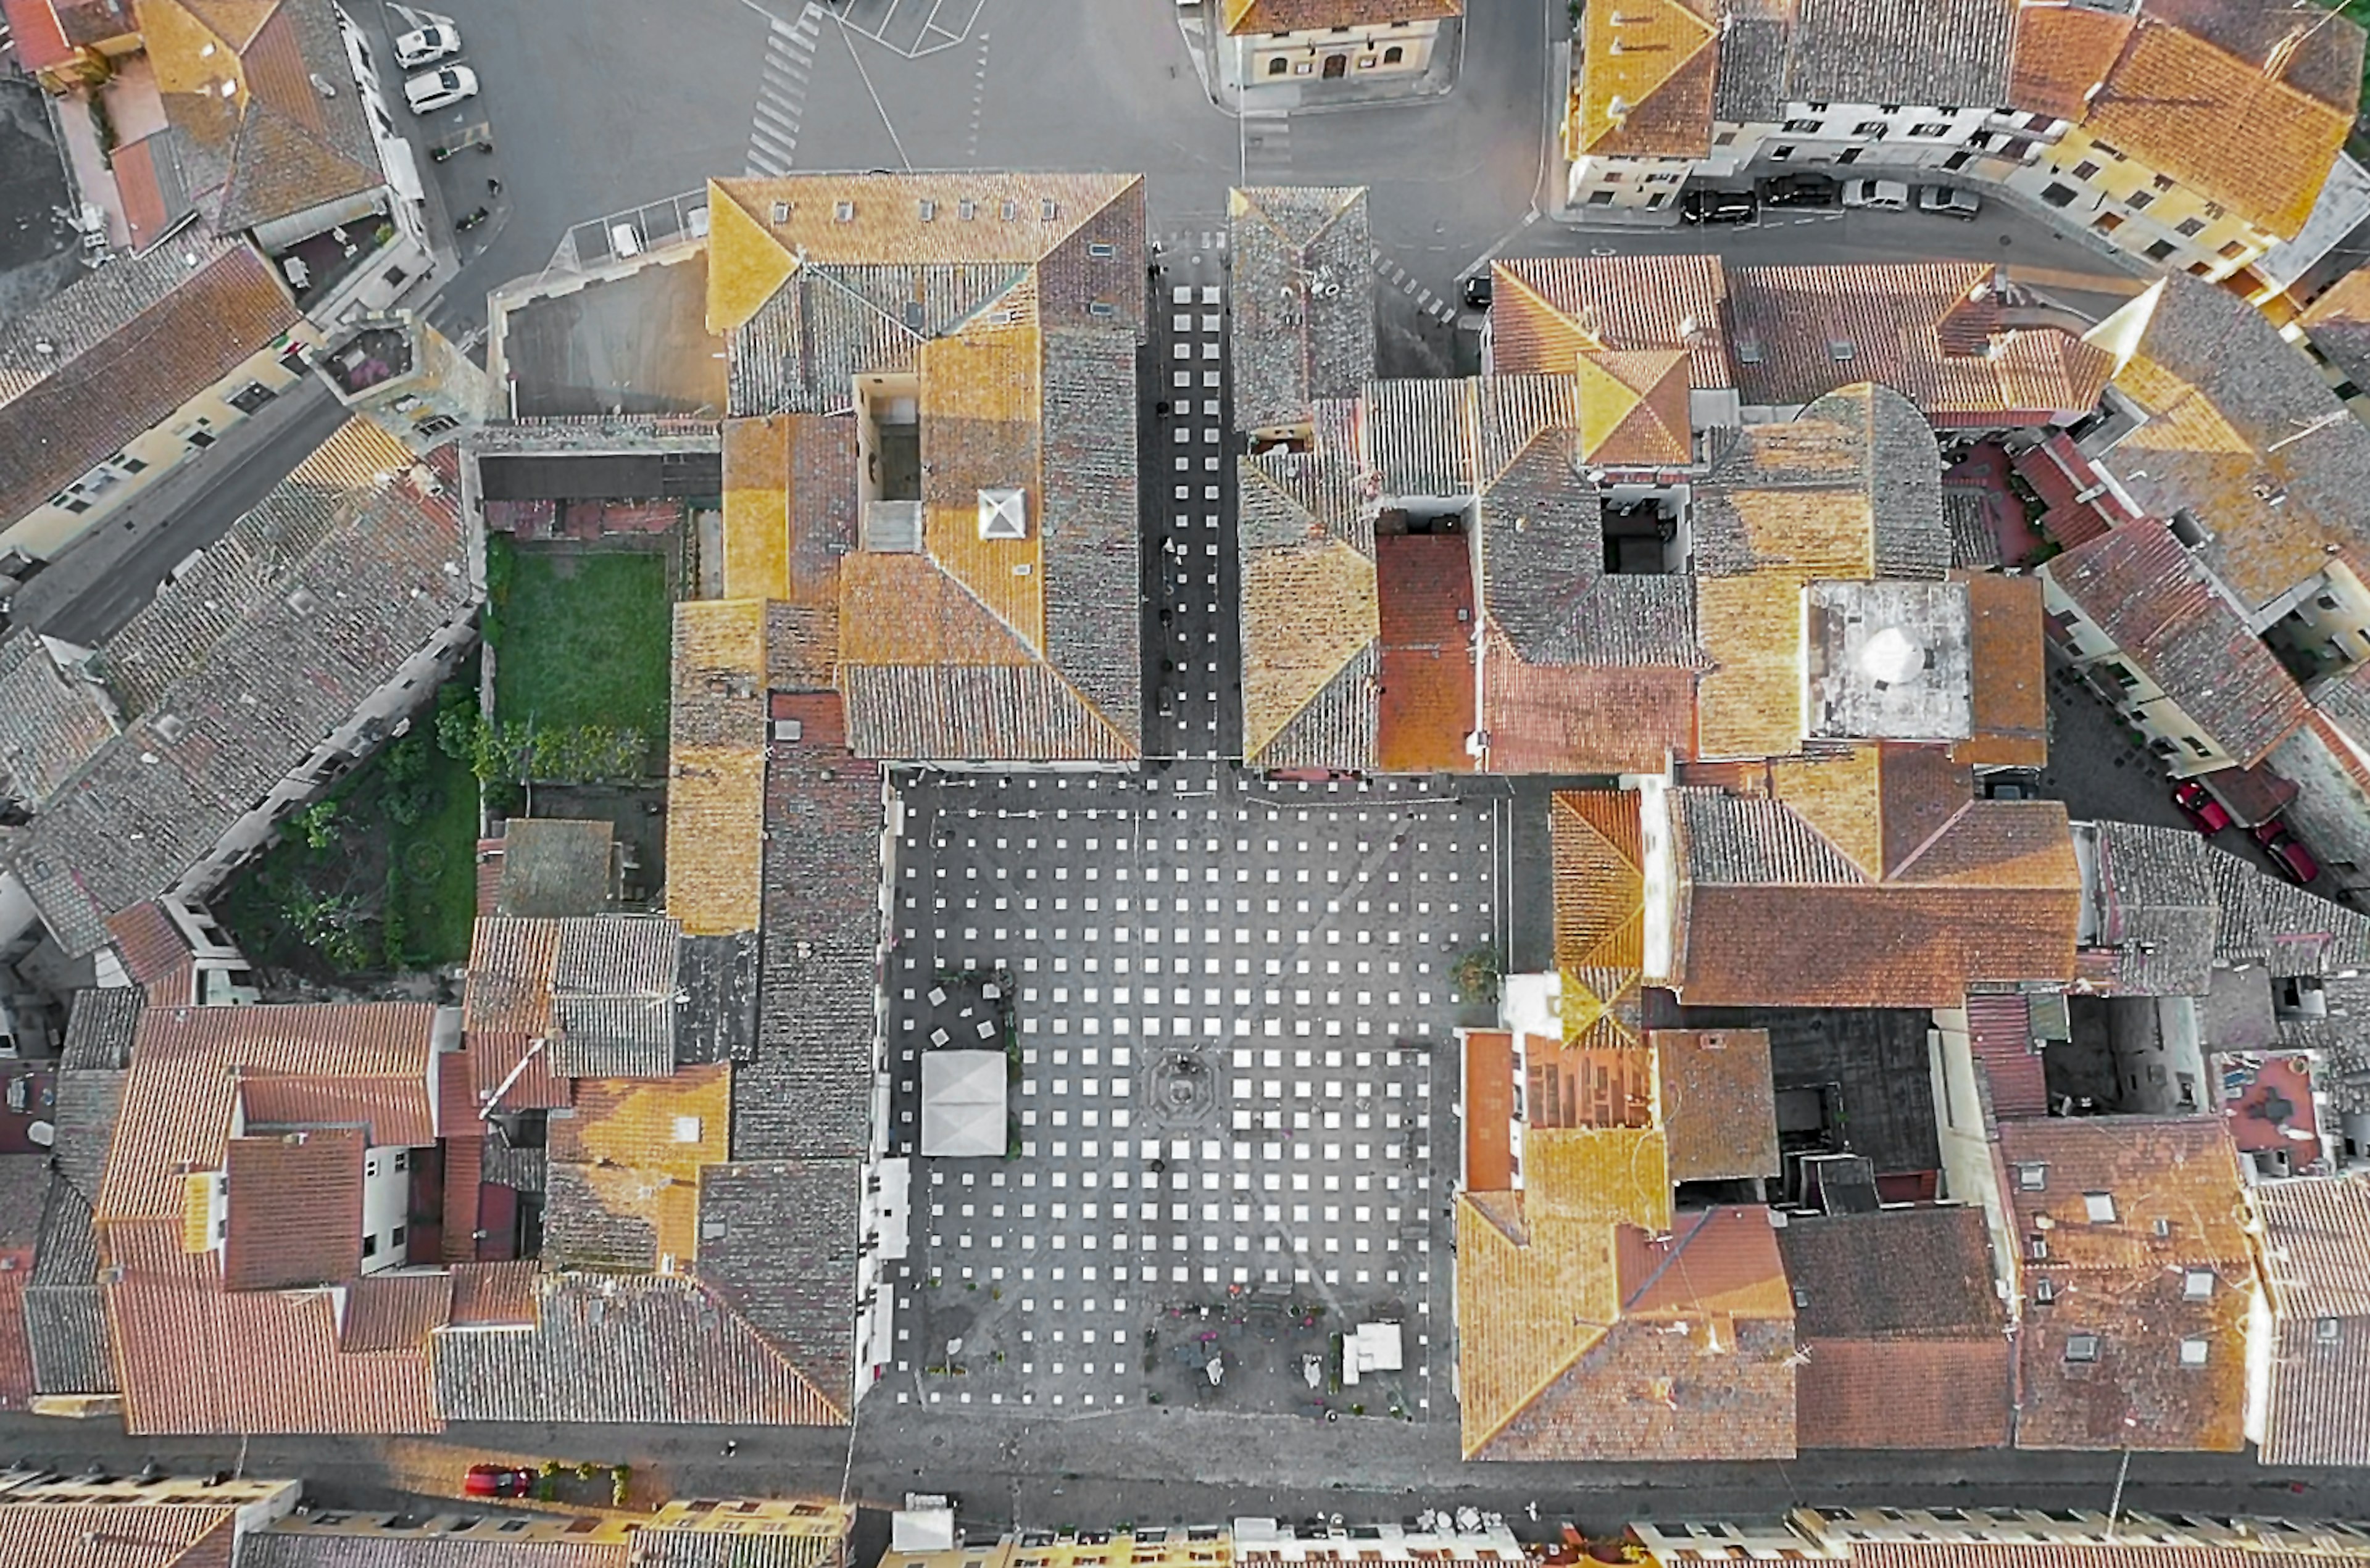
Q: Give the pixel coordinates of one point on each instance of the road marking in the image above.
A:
(774, 120)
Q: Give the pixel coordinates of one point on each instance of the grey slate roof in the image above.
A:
(1953, 53)
(554, 865)
(335, 575)
(2159, 908)
(100, 1026)
(651, 1349)
(1303, 300)
(1733, 839)
(719, 975)
(65, 1311)
(1749, 81)
(777, 1241)
(806, 1092)
(719, 1548)
(51, 722)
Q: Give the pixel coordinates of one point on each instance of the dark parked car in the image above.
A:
(1799, 190)
(1478, 289)
(2286, 850)
(2210, 815)
(1718, 207)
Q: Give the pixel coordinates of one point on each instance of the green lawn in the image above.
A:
(580, 638)
(378, 877)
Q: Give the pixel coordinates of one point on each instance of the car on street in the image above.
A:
(2286, 850)
(1886, 195)
(426, 46)
(1798, 190)
(498, 1480)
(1949, 201)
(1718, 207)
(2198, 804)
(432, 90)
(1478, 291)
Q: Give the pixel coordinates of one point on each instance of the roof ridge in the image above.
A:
(1901, 871)
(1595, 1335)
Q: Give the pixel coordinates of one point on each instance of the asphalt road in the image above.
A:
(104, 581)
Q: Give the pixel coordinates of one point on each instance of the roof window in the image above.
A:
(2082, 1347)
(2033, 1176)
(844, 212)
(2193, 1352)
(2197, 1285)
(781, 212)
(929, 210)
(2100, 1208)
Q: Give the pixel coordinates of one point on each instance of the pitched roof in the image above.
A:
(2010, 695)
(2317, 1267)
(2158, 909)
(717, 730)
(288, 1548)
(778, 1243)
(2142, 1223)
(1303, 300)
(643, 1350)
(341, 572)
(1424, 585)
(2062, 52)
(51, 721)
(264, 99)
(552, 866)
(1015, 302)
(1917, 1274)
(124, 347)
(1718, 1102)
(1311, 625)
(1600, 906)
(1935, 332)
(1244, 17)
(294, 1203)
(1545, 310)
(1633, 406)
(2173, 83)
(2338, 323)
(1900, 50)
(622, 1182)
(601, 990)
(120, 1535)
(1871, 881)
(2243, 432)
(1645, 86)
(2147, 593)
(805, 1091)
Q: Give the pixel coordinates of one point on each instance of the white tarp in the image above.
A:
(963, 1102)
(1374, 1347)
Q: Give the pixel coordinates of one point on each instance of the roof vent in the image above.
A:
(1748, 350)
(1003, 514)
(844, 212)
(321, 85)
(781, 212)
(169, 727)
(1841, 349)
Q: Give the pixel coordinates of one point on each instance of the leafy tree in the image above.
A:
(1477, 975)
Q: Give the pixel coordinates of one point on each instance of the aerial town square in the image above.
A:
(1184, 783)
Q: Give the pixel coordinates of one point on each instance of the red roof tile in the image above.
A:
(118, 1535)
(1425, 582)
(1489, 1111)
(2000, 1031)
(39, 42)
(152, 945)
(295, 1209)
(1903, 1393)
(487, 1293)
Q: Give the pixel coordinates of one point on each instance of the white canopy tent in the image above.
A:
(963, 1102)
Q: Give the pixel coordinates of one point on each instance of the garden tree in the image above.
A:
(1477, 975)
(328, 923)
(522, 751)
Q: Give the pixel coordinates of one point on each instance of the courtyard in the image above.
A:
(1229, 1016)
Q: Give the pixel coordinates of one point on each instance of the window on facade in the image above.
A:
(2233, 251)
(1801, 127)
(252, 396)
(1723, 139)
(1278, 67)
(1393, 56)
(2196, 746)
(1600, 198)
(2107, 223)
(370, 1244)
(1871, 128)
(396, 1236)
(2140, 198)
(2160, 250)
(2086, 169)
(200, 438)
(2189, 227)
(1931, 128)
(1779, 154)
(2082, 1347)
(2057, 195)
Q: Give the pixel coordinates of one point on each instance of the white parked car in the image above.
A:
(1950, 201)
(432, 90)
(427, 46)
(1886, 195)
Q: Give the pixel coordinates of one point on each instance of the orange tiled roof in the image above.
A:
(625, 1176)
(1647, 69)
(1545, 310)
(1488, 1057)
(2173, 97)
(1425, 587)
(2062, 52)
(715, 765)
(1633, 406)
(1718, 1102)
(2012, 697)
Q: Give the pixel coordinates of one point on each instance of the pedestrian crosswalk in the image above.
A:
(1437, 306)
(782, 92)
(1267, 149)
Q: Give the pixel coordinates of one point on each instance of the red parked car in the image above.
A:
(2287, 852)
(2210, 815)
(498, 1480)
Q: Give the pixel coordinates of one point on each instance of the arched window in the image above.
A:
(1276, 67)
(1393, 55)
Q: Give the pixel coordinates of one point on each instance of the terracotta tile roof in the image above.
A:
(2167, 1261)
(622, 1179)
(1425, 587)
(1303, 300)
(1698, 1363)
(37, 40)
(2034, 1555)
(191, 1065)
(2140, 587)
(491, 1293)
(1545, 310)
(1602, 1079)
(1310, 624)
(288, 1548)
(394, 1311)
(1922, 1273)
(276, 144)
(1903, 1393)
(1633, 406)
(2011, 696)
(553, 866)
(2338, 323)
(1488, 1062)
(51, 721)
(2172, 85)
(1645, 83)
(129, 344)
(150, 184)
(2062, 53)
(1599, 879)
(1931, 331)
(647, 1350)
(1243, 18)
(122, 1535)
(197, 1358)
(341, 572)
(1016, 302)
(2316, 1246)
(149, 943)
(1795, 903)
(2244, 432)
(1718, 1102)
(600, 990)
(1999, 1030)
(790, 515)
(295, 1209)
(778, 1242)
